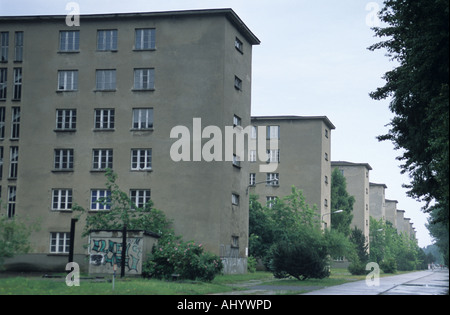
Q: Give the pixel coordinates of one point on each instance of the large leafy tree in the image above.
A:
(341, 200)
(416, 36)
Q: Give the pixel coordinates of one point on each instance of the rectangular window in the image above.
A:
(63, 159)
(105, 80)
(69, 41)
(235, 241)
(235, 199)
(144, 79)
(141, 159)
(143, 118)
(17, 91)
(59, 242)
(68, 80)
(18, 47)
(1, 164)
(15, 123)
(3, 83)
(4, 46)
(104, 119)
(102, 159)
(237, 83)
(272, 179)
(252, 181)
(2, 122)
(254, 132)
(12, 201)
(236, 160)
(273, 156)
(252, 157)
(62, 199)
(100, 199)
(239, 45)
(13, 162)
(273, 132)
(145, 39)
(66, 119)
(139, 198)
(107, 40)
(270, 201)
(237, 121)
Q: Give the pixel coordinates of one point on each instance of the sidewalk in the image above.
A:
(416, 283)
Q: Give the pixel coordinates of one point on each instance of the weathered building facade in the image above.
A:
(76, 100)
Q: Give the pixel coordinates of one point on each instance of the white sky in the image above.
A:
(313, 60)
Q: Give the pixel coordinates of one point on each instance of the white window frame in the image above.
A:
(144, 79)
(252, 179)
(59, 242)
(273, 132)
(140, 197)
(64, 157)
(67, 80)
(96, 195)
(104, 118)
(107, 40)
(62, 199)
(105, 80)
(272, 179)
(18, 46)
(4, 46)
(15, 123)
(142, 118)
(66, 119)
(12, 193)
(145, 39)
(69, 41)
(17, 88)
(102, 159)
(141, 159)
(273, 156)
(13, 162)
(235, 199)
(3, 83)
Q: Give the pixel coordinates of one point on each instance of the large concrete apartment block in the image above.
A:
(107, 93)
(391, 211)
(302, 159)
(377, 206)
(358, 185)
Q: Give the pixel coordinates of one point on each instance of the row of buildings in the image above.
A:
(112, 93)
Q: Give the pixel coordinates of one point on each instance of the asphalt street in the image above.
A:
(429, 282)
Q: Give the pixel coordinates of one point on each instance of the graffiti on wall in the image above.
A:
(108, 252)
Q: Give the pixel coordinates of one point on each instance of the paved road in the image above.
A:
(415, 283)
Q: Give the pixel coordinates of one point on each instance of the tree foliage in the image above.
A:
(417, 37)
(14, 237)
(341, 200)
(286, 235)
(122, 211)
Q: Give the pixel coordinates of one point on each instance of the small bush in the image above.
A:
(389, 265)
(187, 259)
(357, 268)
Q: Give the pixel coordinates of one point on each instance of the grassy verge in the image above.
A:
(36, 285)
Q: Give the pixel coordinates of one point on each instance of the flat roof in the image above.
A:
(227, 12)
(376, 184)
(324, 118)
(346, 163)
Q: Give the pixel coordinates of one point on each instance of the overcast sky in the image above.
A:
(313, 60)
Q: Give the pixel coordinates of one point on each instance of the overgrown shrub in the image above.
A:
(389, 265)
(302, 256)
(189, 260)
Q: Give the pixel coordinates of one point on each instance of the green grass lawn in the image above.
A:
(37, 285)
